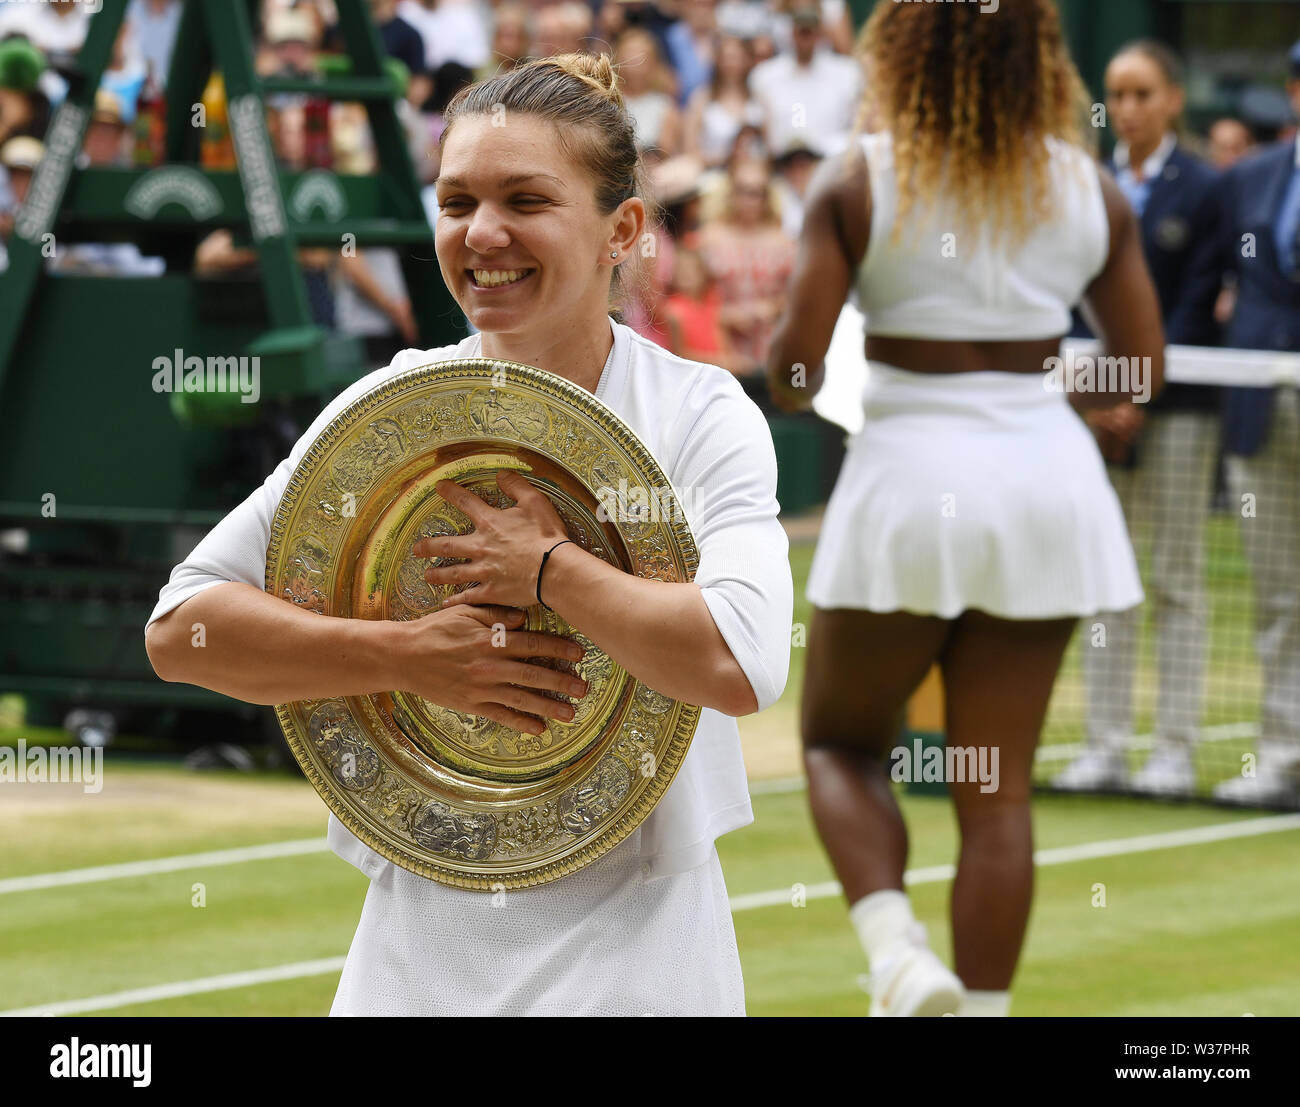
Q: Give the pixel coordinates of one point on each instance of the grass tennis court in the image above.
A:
(1199, 928)
(1232, 678)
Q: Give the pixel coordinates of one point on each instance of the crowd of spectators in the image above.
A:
(735, 103)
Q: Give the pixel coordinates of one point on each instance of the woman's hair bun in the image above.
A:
(594, 70)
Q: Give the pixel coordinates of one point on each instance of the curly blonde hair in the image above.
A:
(970, 96)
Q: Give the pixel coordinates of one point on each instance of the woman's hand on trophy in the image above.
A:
(504, 551)
(475, 660)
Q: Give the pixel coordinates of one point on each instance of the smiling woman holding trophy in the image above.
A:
(518, 705)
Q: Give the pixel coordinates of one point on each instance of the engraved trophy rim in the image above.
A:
(643, 715)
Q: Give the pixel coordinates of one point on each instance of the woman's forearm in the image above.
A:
(240, 641)
(662, 633)
(236, 639)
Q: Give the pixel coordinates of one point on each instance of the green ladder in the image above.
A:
(169, 208)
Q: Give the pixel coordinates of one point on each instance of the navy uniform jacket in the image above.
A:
(1182, 241)
(1268, 298)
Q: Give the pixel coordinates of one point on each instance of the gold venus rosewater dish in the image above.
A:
(455, 797)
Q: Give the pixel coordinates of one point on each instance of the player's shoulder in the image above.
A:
(688, 389)
(405, 360)
(1075, 155)
(650, 360)
(413, 358)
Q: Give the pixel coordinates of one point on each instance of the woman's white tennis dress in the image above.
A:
(603, 941)
(978, 490)
(972, 490)
(646, 929)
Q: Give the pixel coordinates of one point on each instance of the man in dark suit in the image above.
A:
(1261, 207)
(1162, 454)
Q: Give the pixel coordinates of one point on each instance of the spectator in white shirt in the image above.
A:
(809, 95)
(453, 31)
(57, 30)
(19, 158)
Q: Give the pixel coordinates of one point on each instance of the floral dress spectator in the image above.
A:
(693, 313)
(751, 258)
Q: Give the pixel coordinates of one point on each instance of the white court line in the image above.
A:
(777, 897)
(295, 971)
(163, 865)
(776, 786)
(1062, 855)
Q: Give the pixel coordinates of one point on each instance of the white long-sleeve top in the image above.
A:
(714, 446)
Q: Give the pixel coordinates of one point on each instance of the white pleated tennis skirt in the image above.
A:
(972, 490)
(602, 941)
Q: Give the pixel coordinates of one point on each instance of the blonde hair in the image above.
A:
(970, 98)
(579, 95)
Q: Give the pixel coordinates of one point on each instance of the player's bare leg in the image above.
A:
(998, 676)
(862, 668)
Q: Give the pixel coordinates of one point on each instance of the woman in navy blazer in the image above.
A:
(1162, 453)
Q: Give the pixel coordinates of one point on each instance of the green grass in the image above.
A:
(1232, 685)
(1203, 929)
(1197, 930)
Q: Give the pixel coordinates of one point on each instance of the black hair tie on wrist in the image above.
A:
(542, 568)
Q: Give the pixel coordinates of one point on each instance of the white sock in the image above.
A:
(985, 1005)
(883, 920)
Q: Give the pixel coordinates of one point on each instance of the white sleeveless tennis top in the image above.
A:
(939, 281)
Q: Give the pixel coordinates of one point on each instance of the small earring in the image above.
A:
(613, 253)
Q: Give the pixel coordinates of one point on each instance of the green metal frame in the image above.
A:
(62, 143)
(382, 210)
(128, 468)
